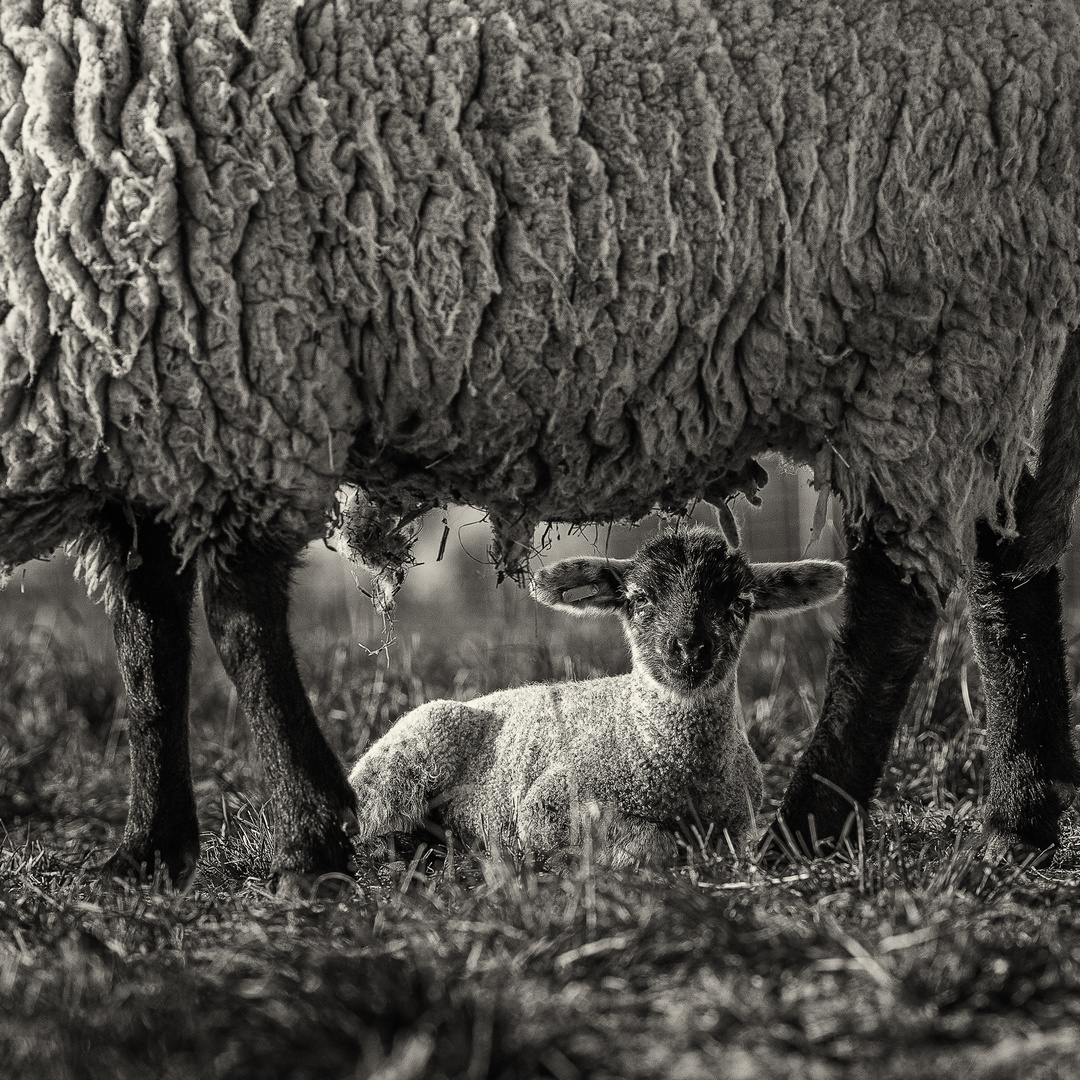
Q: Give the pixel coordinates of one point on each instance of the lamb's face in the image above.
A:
(685, 600)
(688, 600)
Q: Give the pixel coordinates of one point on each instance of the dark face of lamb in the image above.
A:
(686, 599)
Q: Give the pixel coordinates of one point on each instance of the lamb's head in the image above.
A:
(686, 599)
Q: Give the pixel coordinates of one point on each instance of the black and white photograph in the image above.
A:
(537, 539)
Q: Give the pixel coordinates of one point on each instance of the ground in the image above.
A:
(904, 956)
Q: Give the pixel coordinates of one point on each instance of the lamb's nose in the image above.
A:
(688, 649)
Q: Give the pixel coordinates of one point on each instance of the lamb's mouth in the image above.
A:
(686, 679)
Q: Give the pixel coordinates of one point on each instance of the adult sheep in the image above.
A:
(563, 260)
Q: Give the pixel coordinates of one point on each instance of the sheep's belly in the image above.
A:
(621, 290)
(259, 259)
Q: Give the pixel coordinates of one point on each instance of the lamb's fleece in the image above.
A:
(568, 259)
(519, 767)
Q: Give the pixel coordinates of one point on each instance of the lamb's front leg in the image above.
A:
(549, 815)
(247, 604)
(396, 777)
(633, 841)
(555, 818)
(149, 599)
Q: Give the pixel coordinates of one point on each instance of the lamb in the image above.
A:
(662, 744)
(566, 261)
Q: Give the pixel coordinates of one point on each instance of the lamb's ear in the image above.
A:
(585, 586)
(793, 586)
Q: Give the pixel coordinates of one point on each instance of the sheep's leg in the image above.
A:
(1015, 616)
(150, 599)
(885, 636)
(1017, 632)
(247, 610)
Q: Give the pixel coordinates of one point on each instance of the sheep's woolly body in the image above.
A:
(166, 337)
(510, 765)
(566, 260)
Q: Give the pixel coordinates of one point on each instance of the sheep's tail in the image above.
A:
(1044, 501)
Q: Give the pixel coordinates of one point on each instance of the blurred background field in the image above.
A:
(904, 956)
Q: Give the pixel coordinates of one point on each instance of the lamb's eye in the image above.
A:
(640, 602)
(741, 606)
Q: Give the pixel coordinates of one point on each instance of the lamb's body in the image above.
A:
(567, 260)
(512, 766)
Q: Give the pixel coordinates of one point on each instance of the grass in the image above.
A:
(904, 956)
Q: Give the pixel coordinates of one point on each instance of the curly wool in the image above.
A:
(165, 337)
(567, 261)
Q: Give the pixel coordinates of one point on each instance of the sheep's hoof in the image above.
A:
(321, 866)
(1021, 824)
(778, 846)
(816, 818)
(314, 826)
(144, 865)
(992, 846)
(1022, 821)
(314, 855)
